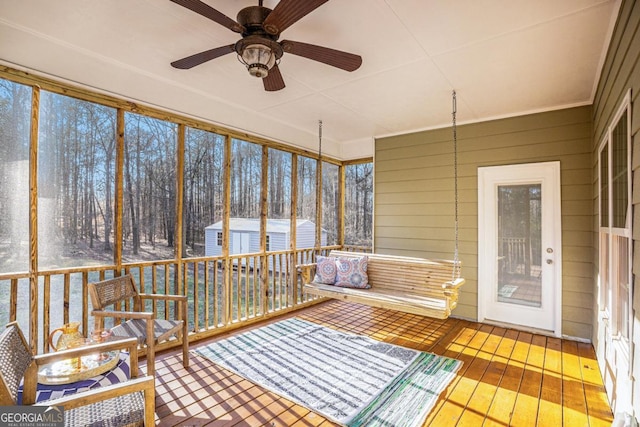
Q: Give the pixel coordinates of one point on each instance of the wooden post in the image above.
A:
(341, 204)
(226, 212)
(293, 232)
(264, 265)
(33, 220)
(318, 208)
(180, 286)
(119, 190)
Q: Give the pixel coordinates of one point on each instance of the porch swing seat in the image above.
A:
(412, 285)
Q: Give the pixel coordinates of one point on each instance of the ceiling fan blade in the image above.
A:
(287, 12)
(274, 80)
(336, 58)
(202, 57)
(208, 12)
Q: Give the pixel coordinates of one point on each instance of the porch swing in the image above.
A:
(412, 285)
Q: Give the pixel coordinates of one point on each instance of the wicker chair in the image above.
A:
(107, 298)
(130, 403)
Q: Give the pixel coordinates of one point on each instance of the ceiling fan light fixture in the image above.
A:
(259, 59)
(258, 54)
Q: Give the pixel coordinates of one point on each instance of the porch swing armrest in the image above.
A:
(306, 271)
(453, 284)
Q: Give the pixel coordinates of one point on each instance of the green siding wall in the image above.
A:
(414, 197)
(620, 72)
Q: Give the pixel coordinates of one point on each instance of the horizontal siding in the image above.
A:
(620, 72)
(415, 201)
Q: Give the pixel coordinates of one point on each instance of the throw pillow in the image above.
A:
(352, 273)
(325, 270)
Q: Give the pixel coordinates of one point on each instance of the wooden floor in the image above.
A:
(509, 378)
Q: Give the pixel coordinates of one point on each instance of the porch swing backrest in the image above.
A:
(412, 285)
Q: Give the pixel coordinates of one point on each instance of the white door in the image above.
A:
(240, 243)
(519, 245)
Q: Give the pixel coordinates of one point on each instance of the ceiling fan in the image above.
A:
(259, 49)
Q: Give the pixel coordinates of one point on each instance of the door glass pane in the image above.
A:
(519, 244)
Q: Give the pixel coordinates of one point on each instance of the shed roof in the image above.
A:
(253, 224)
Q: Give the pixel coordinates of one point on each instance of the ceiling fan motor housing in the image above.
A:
(251, 18)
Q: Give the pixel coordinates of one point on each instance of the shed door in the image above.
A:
(240, 243)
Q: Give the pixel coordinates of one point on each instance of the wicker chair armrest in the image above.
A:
(145, 384)
(123, 314)
(130, 344)
(167, 297)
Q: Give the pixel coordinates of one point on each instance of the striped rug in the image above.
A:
(351, 379)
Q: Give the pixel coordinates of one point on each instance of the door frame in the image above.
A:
(485, 266)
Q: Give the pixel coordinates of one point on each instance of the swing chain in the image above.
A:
(456, 260)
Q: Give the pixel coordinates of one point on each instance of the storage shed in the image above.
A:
(245, 235)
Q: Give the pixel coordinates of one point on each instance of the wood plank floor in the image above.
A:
(509, 377)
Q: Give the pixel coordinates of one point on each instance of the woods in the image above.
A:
(77, 181)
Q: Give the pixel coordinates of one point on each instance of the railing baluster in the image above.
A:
(166, 289)
(47, 312)
(216, 322)
(66, 302)
(13, 304)
(85, 301)
(196, 291)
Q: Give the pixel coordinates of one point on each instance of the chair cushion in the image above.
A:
(162, 330)
(125, 410)
(120, 373)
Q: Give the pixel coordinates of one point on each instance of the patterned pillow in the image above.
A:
(325, 270)
(352, 273)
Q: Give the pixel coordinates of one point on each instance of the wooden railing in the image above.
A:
(223, 293)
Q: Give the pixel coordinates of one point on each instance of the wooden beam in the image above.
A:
(33, 220)
(226, 212)
(179, 283)
(293, 231)
(318, 207)
(264, 273)
(119, 189)
(341, 204)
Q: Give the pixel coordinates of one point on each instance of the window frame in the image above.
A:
(610, 293)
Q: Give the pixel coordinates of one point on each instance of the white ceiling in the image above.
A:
(503, 58)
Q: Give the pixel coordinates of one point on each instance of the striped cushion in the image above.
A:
(325, 270)
(125, 410)
(352, 273)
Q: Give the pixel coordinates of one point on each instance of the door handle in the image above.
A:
(549, 261)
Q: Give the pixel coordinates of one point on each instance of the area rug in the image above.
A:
(350, 379)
